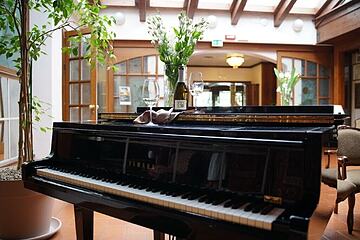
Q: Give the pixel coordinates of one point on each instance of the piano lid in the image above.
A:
(284, 115)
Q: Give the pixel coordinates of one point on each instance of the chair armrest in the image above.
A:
(342, 163)
(329, 152)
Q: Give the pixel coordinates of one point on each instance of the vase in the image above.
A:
(171, 78)
(286, 99)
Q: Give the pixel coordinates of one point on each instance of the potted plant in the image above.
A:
(175, 48)
(23, 44)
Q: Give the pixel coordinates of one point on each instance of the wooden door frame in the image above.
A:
(66, 79)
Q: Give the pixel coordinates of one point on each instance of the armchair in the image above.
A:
(344, 177)
(349, 178)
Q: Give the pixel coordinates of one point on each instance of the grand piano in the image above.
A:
(235, 173)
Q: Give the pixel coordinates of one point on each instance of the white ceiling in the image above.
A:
(218, 58)
(300, 7)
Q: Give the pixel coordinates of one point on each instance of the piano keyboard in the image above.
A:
(244, 213)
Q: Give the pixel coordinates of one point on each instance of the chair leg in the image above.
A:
(350, 216)
(336, 208)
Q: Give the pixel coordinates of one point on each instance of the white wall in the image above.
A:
(250, 28)
(47, 86)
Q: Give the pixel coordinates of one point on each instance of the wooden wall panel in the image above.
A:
(341, 20)
(345, 43)
(268, 83)
(252, 94)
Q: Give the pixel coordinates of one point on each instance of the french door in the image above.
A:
(314, 68)
(79, 83)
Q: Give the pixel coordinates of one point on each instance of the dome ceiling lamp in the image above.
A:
(235, 60)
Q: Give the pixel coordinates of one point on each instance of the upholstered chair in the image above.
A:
(345, 179)
(349, 177)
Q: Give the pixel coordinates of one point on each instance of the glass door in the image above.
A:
(315, 84)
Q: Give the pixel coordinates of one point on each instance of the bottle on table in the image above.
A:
(181, 92)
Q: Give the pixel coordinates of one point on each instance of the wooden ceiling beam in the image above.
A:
(141, 4)
(282, 10)
(190, 6)
(237, 8)
(328, 6)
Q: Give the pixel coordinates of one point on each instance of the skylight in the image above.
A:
(123, 3)
(215, 4)
(167, 3)
(306, 6)
(261, 5)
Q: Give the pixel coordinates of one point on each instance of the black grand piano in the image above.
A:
(243, 173)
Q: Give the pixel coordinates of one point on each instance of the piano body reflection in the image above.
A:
(253, 174)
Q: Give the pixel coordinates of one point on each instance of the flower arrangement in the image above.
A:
(175, 49)
(286, 84)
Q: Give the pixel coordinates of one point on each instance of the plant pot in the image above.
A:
(23, 213)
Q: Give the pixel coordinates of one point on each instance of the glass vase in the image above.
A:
(286, 99)
(171, 77)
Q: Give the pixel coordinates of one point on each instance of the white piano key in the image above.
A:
(193, 206)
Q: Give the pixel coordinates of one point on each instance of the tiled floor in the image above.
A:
(337, 228)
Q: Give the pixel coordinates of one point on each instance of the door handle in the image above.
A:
(93, 106)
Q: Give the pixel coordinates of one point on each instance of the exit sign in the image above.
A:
(217, 43)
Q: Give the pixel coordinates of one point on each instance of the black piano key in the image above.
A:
(238, 203)
(194, 196)
(228, 203)
(258, 208)
(203, 198)
(179, 193)
(218, 201)
(157, 189)
(267, 209)
(142, 187)
(169, 192)
(249, 207)
(186, 195)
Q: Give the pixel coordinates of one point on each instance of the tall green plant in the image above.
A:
(175, 49)
(24, 44)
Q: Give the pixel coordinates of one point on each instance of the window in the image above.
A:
(9, 118)
(314, 85)
(128, 80)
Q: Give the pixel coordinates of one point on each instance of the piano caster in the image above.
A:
(84, 223)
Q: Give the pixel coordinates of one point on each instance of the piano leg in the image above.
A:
(159, 235)
(84, 223)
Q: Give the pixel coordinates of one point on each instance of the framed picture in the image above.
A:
(124, 95)
(357, 95)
